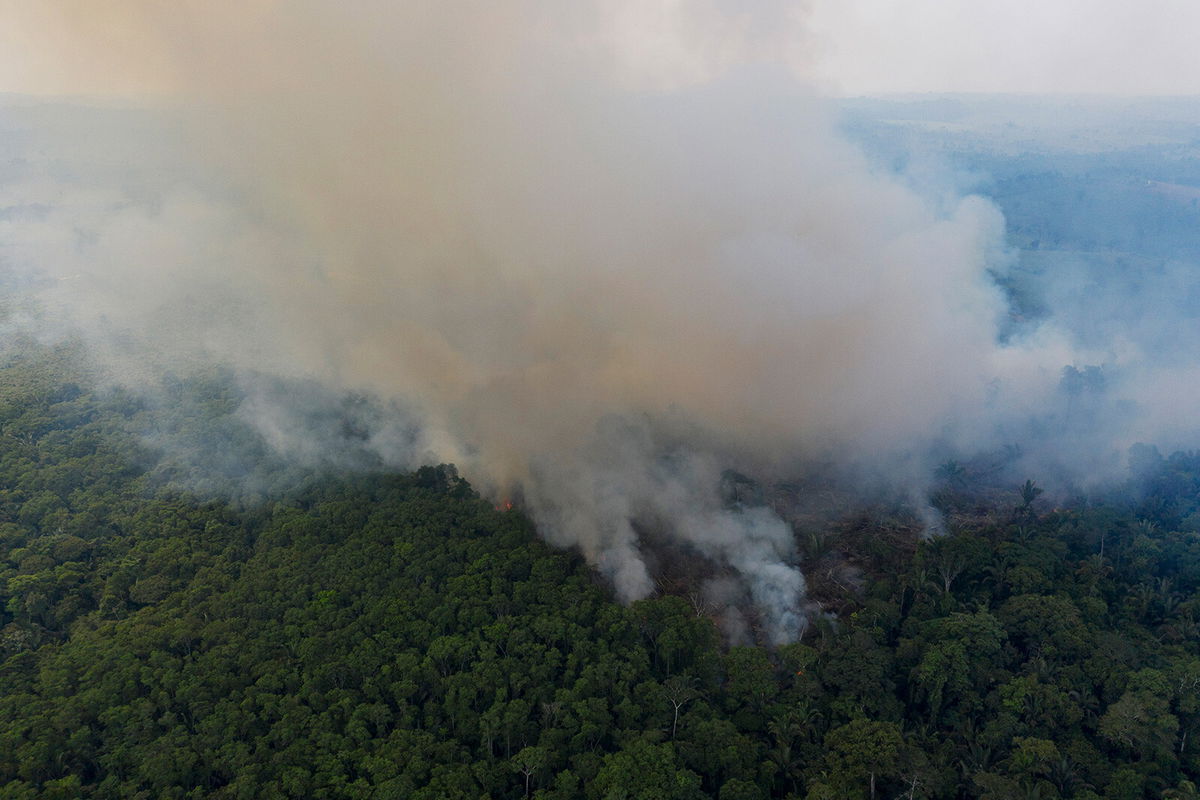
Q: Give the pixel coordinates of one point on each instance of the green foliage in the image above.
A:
(380, 635)
(644, 771)
(862, 754)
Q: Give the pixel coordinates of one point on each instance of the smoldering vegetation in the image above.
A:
(594, 279)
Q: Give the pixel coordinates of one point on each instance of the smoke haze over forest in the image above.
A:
(598, 269)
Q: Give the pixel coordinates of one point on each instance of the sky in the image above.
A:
(845, 47)
(1019, 46)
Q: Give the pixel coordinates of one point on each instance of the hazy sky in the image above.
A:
(1085, 46)
(846, 46)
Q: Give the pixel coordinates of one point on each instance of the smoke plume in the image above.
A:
(598, 251)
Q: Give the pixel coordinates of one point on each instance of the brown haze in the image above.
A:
(605, 249)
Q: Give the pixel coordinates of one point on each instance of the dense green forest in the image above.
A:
(396, 636)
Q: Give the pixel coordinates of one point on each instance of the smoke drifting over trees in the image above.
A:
(575, 267)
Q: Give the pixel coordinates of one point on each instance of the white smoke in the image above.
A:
(592, 265)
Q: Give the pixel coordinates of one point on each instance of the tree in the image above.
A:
(679, 691)
(1141, 720)
(529, 762)
(861, 753)
(644, 771)
(1029, 492)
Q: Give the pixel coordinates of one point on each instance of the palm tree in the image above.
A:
(1029, 492)
(785, 729)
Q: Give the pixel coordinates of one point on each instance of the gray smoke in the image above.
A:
(595, 252)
